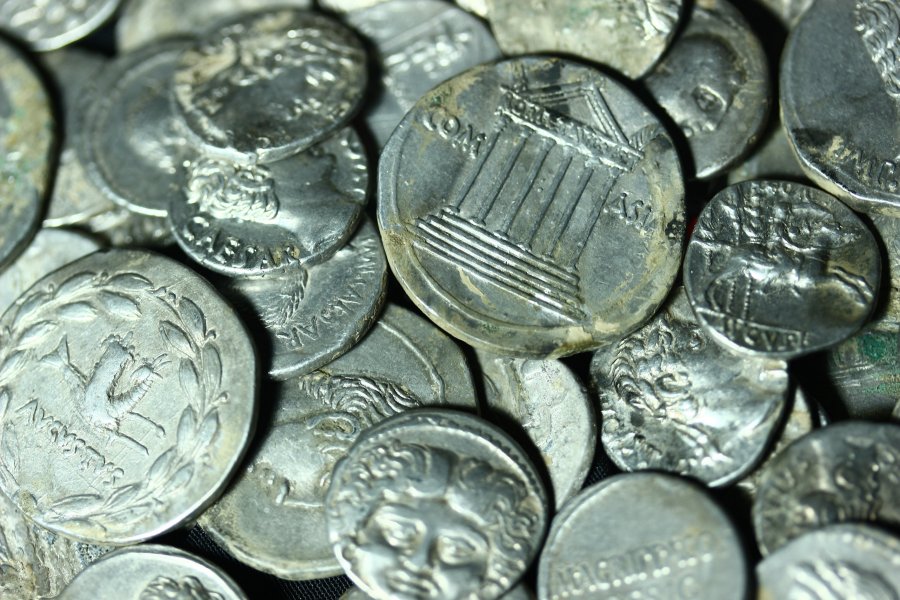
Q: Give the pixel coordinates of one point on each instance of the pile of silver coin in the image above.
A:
(415, 300)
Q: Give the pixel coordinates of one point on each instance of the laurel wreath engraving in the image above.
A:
(82, 298)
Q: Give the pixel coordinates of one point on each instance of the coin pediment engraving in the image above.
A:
(878, 24)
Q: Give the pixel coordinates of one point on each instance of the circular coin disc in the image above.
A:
(532, 208)
(780, 269)
(152, 571)
(642, 535)
(270, 84)
(520, 592)
(438, 504)
(51, 25)
(840, 100)
(127, 390)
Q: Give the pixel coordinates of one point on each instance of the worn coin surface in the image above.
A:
(26, 142)
(520, 592)
(844, 472)
(270, 84)
(151, 572)
(672, 400)
(771, 159)
(840, 100)
(642, 535)
(419, 44)
(714, 83)
(780, 269)
(126, 397)
(849, 561)
(122, 228)
(49, 25)
(310, 316)
(544, 400)
(133, 145)
(532, 208)
(437, 504)
(403, 363)
(628, 35)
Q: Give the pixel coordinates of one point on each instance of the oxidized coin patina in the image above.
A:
(672, 400)
(437, 504)
(840, 473)
(780, 269)
(126, 397)
(270, 84)
(532, 208)
(48, 25)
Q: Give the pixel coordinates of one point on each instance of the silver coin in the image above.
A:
(714, 83)
(419, 44)
(532, 208)
(672, 400)
(840, 100)
(841, 562)
(26, 141)
(771, 159)
(151, 572)
(253, 219)
(546, 400)
(270, 84)
(477, 7)
(347, 6)
(122, 228)
(311, 316)
(133, 146)
(840, 473)
(780, 269)
(49, 250)
(642, 535)
(788, 11)
(436, 504)
(520, 592)
(888, 231)
(49, 25)
(278, 499)
(628, 35)
(126, 397)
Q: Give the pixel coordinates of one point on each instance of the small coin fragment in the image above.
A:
(48, 25)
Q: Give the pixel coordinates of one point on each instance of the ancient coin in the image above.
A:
(122, 228)
(628, 35)
(673, 400)
(780, 269)
(270, 84)
(840, 562)
(771, 159)
(133, 145)
(151, 572)
(126, 397)
(642, 535)
(46, 25)
(844, 472)
(419, 44)
(278, 499)
(840, 100)
(346, 6)
(437, 504)
(532, 208)
(310, 316)
(253, 219)
(887, 229)
(714, 83)
(477, 7)
(520, 592)
(26, 142)
(544, 400)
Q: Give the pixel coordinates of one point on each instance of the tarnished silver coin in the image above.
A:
(345, 6)
(628, 35)
(840, 473)
(840, 100)
(435, 504)
(122, 228)
(270, 84)
(310, 316)
(546, 400)
(26, 142)
(532, 208)
(642, 535)
(279, 498)
(419, 44)
(714, 83)
(257, 218)
(520, 592)
(152, 572)
(841, 562)
(126, 397)
(771, 159)
(133, 145)
(780, 269)
(47, 25)
(673, 400)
